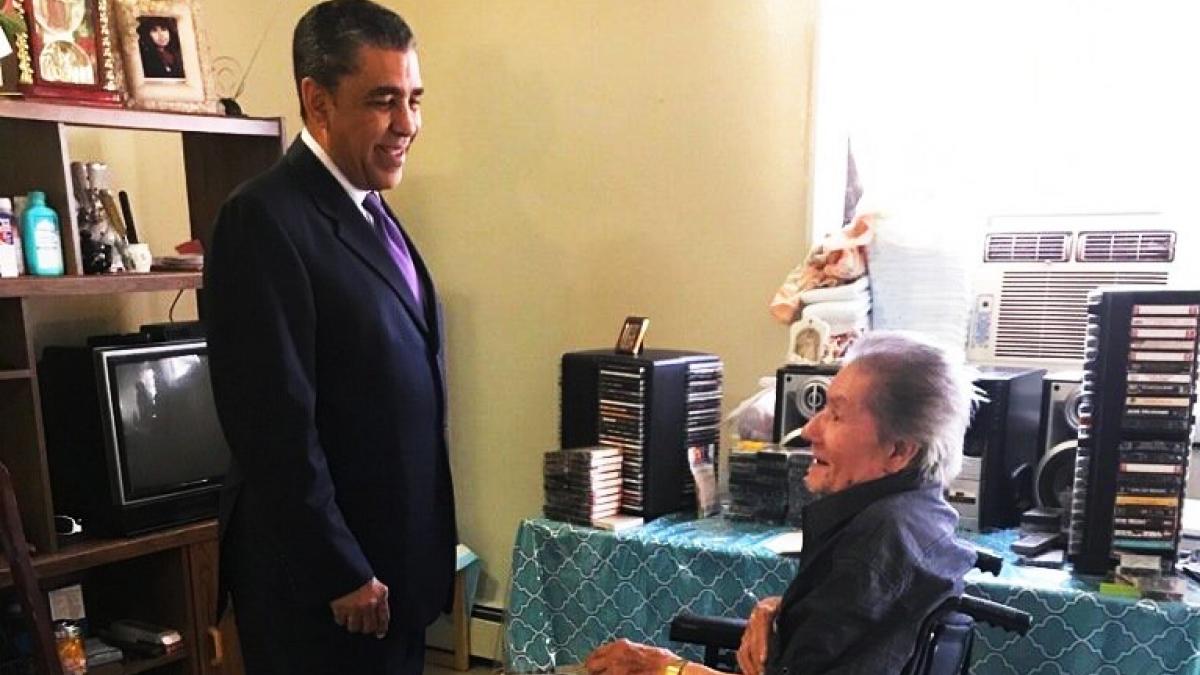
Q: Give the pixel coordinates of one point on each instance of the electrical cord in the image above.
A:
(171, 312)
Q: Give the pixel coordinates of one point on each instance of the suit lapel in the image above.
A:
(352, 228)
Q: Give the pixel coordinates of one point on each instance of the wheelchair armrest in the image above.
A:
(1001, 616)
(711, 631)
(986, 561)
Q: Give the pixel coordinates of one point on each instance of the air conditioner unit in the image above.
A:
(1031, 286)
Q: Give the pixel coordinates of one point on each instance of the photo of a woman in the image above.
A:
(158, 42)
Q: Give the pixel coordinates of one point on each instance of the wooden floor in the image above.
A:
(478, 667)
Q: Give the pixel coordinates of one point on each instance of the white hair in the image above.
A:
(918, 393)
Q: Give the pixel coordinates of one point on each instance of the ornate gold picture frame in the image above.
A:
(67, 53)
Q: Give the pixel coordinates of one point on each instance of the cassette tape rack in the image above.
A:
(1135, 425)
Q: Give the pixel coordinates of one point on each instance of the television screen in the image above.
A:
(164, 419)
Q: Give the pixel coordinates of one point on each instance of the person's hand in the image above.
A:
(752, 654)
(623, 657)
(364, 610)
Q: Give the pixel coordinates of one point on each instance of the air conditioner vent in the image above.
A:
(1043, 314)
(1126, 246)
(1027, 247)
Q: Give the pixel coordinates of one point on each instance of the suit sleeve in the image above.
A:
(261, 322)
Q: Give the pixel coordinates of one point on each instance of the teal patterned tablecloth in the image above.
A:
(574, 588)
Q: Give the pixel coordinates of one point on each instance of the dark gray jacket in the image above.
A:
(877, 559)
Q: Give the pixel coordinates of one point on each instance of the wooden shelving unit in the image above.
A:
(169, 576)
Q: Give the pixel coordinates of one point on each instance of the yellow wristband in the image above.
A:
(675, 667)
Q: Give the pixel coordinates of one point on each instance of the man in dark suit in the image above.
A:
(325, 344)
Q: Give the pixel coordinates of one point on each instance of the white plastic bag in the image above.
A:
(754, 418)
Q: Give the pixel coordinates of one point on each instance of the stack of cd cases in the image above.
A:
(743, 486)
(622, 411)
(1135, 426)
(798, 495)
(582, 485)
(767, 485)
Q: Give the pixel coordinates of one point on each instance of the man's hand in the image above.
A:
(623, 657)
(752, 654)
(364, 610)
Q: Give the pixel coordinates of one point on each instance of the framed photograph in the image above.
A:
(632, 335)
(165, 56)
(67, 53)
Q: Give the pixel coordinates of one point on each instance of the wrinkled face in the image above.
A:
(369, 122)
(160, 35)
(845, 439)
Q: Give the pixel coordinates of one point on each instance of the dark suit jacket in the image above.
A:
(330, 385)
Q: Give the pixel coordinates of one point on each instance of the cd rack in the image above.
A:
(661, 408)
(1135, 425)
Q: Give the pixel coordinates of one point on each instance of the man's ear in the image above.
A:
(317, 100)
(902, 455)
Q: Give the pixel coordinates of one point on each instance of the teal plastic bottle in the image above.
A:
(43, 242)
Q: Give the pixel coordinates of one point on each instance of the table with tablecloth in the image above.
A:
(574, 588)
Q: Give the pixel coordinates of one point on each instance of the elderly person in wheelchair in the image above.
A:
(879, 547)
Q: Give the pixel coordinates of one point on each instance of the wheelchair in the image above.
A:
(943, 645)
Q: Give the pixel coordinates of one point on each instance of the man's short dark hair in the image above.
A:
(326, 40)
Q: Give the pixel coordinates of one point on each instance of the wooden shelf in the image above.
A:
(99, 284)
(118, 118)
(87, 554)
(134, 666)
(22, 374)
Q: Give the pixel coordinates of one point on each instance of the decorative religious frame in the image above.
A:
(165, 56)
(13, 33)
(68, 52)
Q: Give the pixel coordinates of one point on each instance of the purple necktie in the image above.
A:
(389, 233)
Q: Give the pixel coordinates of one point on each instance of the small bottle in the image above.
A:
(19, 204)
(8, 246)
(43, 243)
(71, 652)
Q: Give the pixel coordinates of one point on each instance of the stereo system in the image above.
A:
(1058, 435)
(801, 392)
(1000, 450)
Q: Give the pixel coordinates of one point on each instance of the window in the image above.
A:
(967, 109)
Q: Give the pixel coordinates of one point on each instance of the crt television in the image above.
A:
(132, 435)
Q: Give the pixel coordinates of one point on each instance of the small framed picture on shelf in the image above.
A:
(67, 51)
(632, 334)
(165, 55)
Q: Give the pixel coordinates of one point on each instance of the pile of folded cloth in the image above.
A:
(827, 298)
(845, 310)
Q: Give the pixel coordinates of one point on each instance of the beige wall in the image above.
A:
(581, 161)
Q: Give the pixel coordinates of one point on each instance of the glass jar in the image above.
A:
(71, 653)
